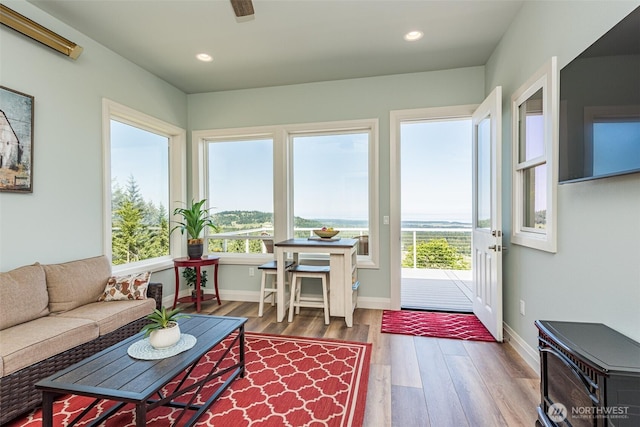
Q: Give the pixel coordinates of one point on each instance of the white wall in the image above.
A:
(595, 275)
(62, 219)
(351, 99)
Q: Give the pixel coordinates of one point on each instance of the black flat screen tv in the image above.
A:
(600, 107)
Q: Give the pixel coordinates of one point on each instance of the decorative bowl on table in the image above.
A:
(325, 234)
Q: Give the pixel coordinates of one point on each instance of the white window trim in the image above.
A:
(282, 169)
(546, 78)
(200, 177)
(177, 182)
(339, 127)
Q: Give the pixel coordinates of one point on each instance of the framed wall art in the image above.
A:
(16, 141)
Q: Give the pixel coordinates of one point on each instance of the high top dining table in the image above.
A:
(343, 278)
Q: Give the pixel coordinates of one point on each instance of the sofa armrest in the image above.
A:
(154, 290)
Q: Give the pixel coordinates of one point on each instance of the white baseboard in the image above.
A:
(529, 354)
(254, 296)
(374, 303)
(225, 295)
(235, 295)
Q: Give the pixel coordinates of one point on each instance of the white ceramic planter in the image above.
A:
(165, 338)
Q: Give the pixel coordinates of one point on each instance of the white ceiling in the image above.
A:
(287, 41)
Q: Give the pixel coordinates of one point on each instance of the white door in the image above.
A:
(487, 218)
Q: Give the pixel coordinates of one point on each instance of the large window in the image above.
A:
(272, 183)
(330, 183)
(240, 192)
(141, 153)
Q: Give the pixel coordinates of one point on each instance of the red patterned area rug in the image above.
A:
(435, 324)
(289, 381)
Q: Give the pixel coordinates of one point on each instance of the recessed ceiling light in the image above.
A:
(412, 36)
(204, 57)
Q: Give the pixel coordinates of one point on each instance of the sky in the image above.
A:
(330, 172)
(329, 175)
(134, 152)
(436, 170)
(241, 175)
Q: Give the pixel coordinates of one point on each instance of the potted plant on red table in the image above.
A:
(194, 221)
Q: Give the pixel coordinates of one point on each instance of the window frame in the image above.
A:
(177, 182)
(201, 183)
(545, 79)
(282, 136)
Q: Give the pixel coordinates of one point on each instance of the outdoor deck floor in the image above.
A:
(441, 290)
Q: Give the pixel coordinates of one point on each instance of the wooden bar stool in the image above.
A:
(270, 270)
(299, 272)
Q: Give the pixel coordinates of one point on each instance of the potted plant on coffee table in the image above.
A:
(194, 220)
(189, 274)
(163, 331)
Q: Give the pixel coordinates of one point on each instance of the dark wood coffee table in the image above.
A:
(114, 375)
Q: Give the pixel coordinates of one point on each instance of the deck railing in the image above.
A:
(460, 238)
(222, 242)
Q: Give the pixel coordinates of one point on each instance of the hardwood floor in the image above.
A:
(417, 381)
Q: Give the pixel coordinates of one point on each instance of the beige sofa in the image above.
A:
(50, 318)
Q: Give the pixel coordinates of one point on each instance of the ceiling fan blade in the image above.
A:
(242, 7)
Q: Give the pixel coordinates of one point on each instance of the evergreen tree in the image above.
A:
(236, 246)
(133, 194)
(129, 235)
(117, 196)
(299, 222)
(140, 229)
(435, 253)
(158, 221)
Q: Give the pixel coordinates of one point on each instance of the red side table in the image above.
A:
(197, 264)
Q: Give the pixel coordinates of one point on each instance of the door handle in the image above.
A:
(496, 248)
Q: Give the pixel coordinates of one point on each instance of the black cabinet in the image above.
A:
(589, 376)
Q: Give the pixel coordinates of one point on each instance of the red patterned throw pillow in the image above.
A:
(129, 287)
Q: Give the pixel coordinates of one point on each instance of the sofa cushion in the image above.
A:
(24, 297)
(37, 340)
(113, 315)
(122, 288)
(76, 283)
